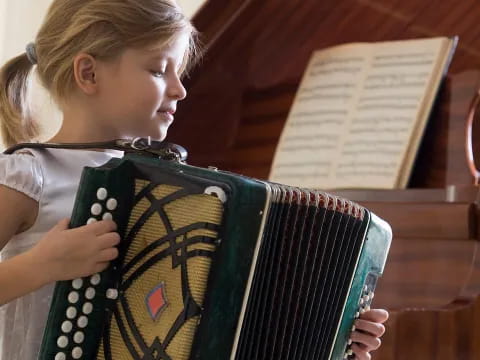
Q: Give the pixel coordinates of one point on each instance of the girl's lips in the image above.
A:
(166, 115)
(169, 110)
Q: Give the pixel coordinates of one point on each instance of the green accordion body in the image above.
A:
(214, 265)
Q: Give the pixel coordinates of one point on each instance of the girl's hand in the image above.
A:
(368, 330)
(66, 254)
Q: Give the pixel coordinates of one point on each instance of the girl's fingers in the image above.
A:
(360, 352)
(108, 240)
(107, 255)
(370, 342)
(101, 227)
(375, 315)
(99, 267)
(369, 327)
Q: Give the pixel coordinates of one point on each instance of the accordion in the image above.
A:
(215, 265)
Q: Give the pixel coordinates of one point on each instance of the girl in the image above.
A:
(114, 68)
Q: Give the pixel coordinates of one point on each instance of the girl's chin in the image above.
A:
(159, 135)
(157, 131)
(155, 135)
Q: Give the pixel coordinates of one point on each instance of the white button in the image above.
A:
(371, 294)
(62, 341)
(71, 312)
(77, 283)
(112, 204)
(61, 356)
(367, 308)
(73, 297)
(87, 308)
(79, 337)
(82, 322)
(345, 356)
(216, 191)
(95, 279)
(90, 293)
(102, 194)
(96, 209)
(350, 352)
(366, 298)
(91, 221)
(112, 294)
(350, 341)
(365, 288)
(77, 352)
(67, 326)
(361, 301)
(107, 216)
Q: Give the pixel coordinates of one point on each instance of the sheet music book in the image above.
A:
(360, 113)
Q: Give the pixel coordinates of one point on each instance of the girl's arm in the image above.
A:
(17, 213)
(62, 253)
(19, 275)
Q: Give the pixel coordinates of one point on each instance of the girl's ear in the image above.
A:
(84, 67)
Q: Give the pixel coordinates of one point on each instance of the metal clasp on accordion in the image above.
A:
(163, 150)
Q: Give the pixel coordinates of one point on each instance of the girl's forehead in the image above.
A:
(145, 54)
(174, 51)
(177, 46)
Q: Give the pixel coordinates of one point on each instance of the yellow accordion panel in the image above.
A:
(171, 239)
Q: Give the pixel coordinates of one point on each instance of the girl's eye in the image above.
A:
(158, 73)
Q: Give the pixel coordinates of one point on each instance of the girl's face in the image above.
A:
(139, 92)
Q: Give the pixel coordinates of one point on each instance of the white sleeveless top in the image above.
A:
(51, 178)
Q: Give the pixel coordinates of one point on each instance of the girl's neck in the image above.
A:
(79, 126)
(67, 137)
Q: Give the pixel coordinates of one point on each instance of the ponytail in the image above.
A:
(16, 123)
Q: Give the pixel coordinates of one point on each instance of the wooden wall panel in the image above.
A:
(254, 64)
(239, 100)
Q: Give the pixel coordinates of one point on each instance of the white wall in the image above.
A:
(190, 7)
(3, 27)
(19, 22)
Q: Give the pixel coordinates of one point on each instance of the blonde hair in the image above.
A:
(101, 28)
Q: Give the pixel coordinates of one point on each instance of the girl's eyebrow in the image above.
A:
(159, 57)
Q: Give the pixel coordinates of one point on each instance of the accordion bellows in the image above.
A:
(214, 265)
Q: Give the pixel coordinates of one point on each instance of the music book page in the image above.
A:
(360, 113)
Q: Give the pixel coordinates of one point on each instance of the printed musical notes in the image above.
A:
(359, 114)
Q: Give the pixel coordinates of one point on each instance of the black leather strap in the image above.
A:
(145, 146)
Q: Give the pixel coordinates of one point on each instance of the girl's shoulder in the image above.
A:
(23, 172)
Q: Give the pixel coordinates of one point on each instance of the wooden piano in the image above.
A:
(239, 99)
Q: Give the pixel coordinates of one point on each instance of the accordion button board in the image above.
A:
(216, 266)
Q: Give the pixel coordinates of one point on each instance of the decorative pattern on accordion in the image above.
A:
(294, 270)
(171, 238)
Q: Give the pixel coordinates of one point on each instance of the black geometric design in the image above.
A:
(179, 253)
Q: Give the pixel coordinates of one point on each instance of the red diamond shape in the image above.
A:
(156, 301)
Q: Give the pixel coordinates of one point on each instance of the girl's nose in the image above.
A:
(177, 90)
